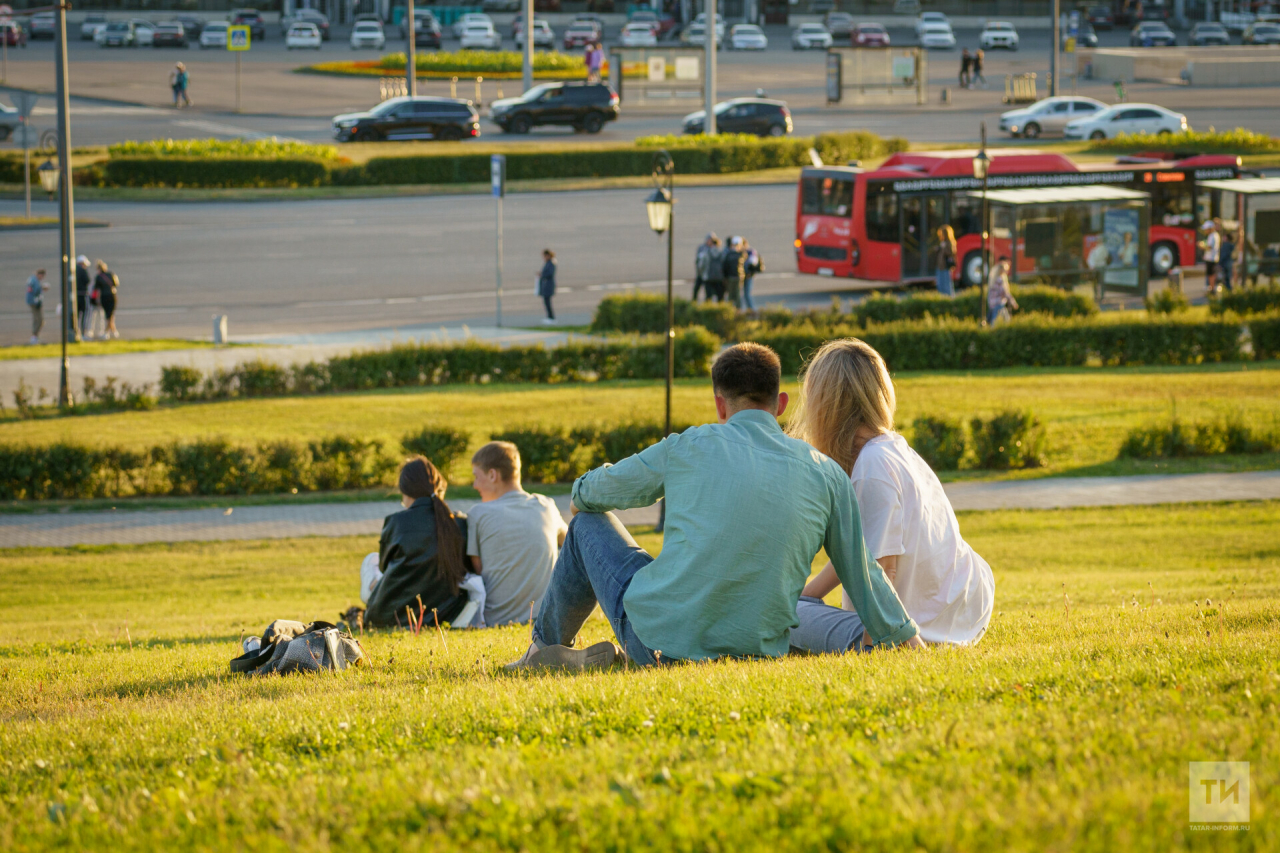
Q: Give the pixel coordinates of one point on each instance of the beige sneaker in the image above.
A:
(562, 657)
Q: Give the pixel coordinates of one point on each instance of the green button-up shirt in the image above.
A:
(748, 507)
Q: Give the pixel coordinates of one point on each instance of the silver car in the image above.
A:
(1048, 117)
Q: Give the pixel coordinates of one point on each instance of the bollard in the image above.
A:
(946, 95)
(1175, 279)
(220, 328)
(479, 102)
(453, 87)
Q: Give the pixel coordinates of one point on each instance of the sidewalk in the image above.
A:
(365, 519)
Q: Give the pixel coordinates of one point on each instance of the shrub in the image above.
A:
(1174, 439)
(442, 445)
(488, 62)
(211, 467)
(547, 455)
(347, 462)
(939, 441)
(1238, 141)
(1167, 301)
(214, 172)
(1247, 300)
(1264, 333)
(178, 382)
(1034, 299)
(647, 313)
(240, 149)
(1009, 440)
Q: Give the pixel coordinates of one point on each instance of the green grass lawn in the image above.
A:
(1063, 730)
(1087, 411)
(113, 347)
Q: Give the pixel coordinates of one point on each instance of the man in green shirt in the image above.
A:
(747, 508)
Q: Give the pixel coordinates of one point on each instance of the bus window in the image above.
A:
(966, 214)
(827, 197)
(1172, 204)
(882, 213)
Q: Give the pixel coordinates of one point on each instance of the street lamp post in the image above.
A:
(981, 166)
(410, 52)
(66, 208)
(660, 207)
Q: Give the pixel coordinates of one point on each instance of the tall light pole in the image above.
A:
(660, 207)
(981, 167)
(527, 76)
(1053, 57)
(709, 123)
(66, 208)
(411, 52)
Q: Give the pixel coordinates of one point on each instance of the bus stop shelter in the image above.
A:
(1256, 202)
(1070, 237)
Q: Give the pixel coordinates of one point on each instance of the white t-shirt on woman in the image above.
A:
(944, 585)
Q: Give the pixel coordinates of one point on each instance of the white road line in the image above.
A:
(231, 130)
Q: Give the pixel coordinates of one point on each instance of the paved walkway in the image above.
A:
(365, 519)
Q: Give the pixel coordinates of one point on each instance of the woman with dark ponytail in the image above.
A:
(421, 554)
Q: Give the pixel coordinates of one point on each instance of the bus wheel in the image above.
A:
(1164, 257)
(972, 269)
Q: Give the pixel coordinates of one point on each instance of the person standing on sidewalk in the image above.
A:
(1226, 254)
(702, 265)
(107, 284)
(178, 82)
(1212, 250)
(547, 283)
(946, 259)
(732, 268)
(751, 265)
(84, 279)
(966, 62)
(36, 286)
(999, 296)
(714, 282)
(978, 59)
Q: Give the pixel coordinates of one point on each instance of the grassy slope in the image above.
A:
(1055, 733)
(1087, 411)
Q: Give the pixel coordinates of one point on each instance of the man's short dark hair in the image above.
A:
(747, 372)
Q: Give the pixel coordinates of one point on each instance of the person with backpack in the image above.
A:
(731, 267)
(752, 265)
(36, 286)
(105, 285)
(713, 278)
(702, 263)
(178, 79)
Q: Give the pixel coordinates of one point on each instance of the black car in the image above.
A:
(169, 34)
(426, 32)
(1100, 17)
(585, 106)
(252, 19)
(1209, 32)
(1152, 34)
(759, 116)
(410, 118)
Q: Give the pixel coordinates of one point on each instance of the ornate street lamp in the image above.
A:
(660, 207)
(48, 177)
(981, 168)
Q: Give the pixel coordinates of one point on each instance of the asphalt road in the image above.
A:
(324, 266)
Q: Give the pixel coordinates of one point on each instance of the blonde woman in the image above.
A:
(847, 410)
(946, 259)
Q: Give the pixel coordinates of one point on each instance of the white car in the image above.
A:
(469, 19)
(368, 34)
(1048, 117)
(695, 35)
(480, 37)
(116, 34)
(937, 37)
(999, 34)
(214, 34)
(543, 35)
(810, 36)
(92, 22)
(747, 37)
(1126, 118)
(303, 36)
(638, 35)
(143, 31)
(928, 19)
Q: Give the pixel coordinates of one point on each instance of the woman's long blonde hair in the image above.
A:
(946, 233)
(844, 388)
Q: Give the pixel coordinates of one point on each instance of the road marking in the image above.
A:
(231, 130)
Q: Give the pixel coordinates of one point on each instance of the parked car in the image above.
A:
(501, 5)
(1126, 118)
(410, 118)
(938, 37)
(581, 34)
(169, 34)
(839, 24)
(308, 16)
(1261, 32)
(869, 35)
(1152, 34)
(12, 34)
(252, 19)
(761, 116)
(42, 25)
(998, 34)
(906, 7)
(480, 36)
(1208, 32)
(1100, 17)
(9, 118)
(638, 35)
(91, 24)
(810, 36)
(191, 25)
(543, 35)
(1048, 117)
(585, 106)
(695, 35)
(117, 34)
(470, 18)
(302, 36)
(1085, 36)
(701, 18)
(426, 29)
(747, 37)
(927, 19)
(143, 32)
(368, 34)
(646, 16)
(214, 34)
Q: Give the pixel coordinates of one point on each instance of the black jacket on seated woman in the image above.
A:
(422, 553)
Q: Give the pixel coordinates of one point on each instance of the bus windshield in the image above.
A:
(827, 196)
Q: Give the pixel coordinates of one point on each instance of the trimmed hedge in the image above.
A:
(1238, 141)
(11, 170)
(212, 172)
(1034, 299)
(647, 313)
(1247, 300)
(1265, 335)
(1176, 439)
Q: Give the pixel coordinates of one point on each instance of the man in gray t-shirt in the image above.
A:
(512, 536)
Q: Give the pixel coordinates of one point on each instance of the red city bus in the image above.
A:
(881, 224)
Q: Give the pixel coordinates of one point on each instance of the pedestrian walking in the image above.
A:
(946, 260)
(978, 59)
(714, 283)
(966, 63)
(701, 264)
(36, 286)
(547, 283)
(1226, 254)
(178, 79)
(93, 324)
(1211, 246)
(84, 280)
(999, 296)
(751, 266)
(732, 265)
(595, 61)
(107, 284)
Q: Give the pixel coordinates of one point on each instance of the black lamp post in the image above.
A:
(660, 207)
(981, 167)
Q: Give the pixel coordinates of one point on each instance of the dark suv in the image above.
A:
(252, 19)
(585, 106)
(410, 118)
(760, 116)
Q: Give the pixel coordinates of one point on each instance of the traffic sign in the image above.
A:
(25, 102)
(498, 174)
(238, 37)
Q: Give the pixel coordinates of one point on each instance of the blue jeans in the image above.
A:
(944, 282)
(993, 313)
(825, 630)
(595, 566)
(746, 293)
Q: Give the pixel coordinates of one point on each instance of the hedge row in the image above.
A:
(1032, 299)
(211, 172)
(1033, 341)
(1176, 439)
(1247, 300)
(468, 363)
(647, 314)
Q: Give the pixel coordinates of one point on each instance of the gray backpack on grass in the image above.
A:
(288, 646)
